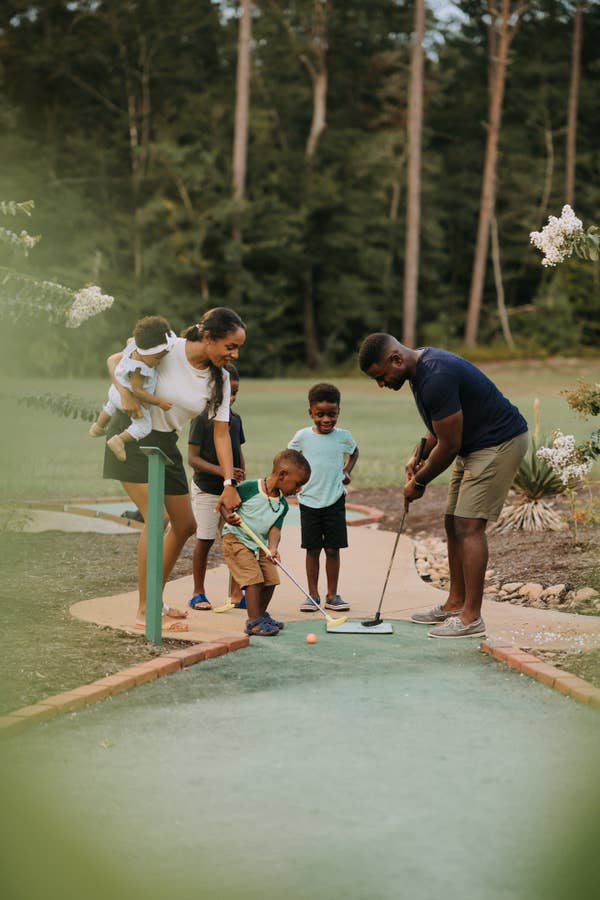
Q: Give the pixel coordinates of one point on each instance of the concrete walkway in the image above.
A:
(364, 566)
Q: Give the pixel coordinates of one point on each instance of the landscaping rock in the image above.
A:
(531, 591)
(555, 590)
(512, 586)
(585, 595)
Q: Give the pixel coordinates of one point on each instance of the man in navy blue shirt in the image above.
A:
(472, 427)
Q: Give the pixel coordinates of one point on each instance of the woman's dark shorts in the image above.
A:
(325, 527)
(135, 467)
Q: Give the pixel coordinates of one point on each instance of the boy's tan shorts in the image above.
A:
(481, 480)
(245, 568)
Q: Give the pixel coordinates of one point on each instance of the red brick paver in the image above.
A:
(531, 665)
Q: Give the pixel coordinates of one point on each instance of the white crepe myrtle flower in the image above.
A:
(558, 238)
(28, 240)
(88, 302)
(565, 459)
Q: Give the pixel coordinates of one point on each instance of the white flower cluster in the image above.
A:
(88, 302)
(557, 239)
(28, 240)
(564, 458)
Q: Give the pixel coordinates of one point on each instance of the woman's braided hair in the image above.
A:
(216, 323)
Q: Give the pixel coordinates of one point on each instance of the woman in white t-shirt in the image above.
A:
(192, 378)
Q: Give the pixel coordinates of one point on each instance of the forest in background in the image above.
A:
(118, 119)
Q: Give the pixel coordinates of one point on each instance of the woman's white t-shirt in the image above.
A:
(187, 388)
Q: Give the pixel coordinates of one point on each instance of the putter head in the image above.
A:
(335, 623)
(370, 623)
(225, 608)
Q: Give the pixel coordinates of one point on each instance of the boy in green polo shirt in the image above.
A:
(263, 509)
(332, 454)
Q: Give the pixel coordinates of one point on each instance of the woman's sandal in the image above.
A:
(174, 613)
(200, 602)
(174, 625)
(261, 627)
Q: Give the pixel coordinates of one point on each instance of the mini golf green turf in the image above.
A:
(362, 767)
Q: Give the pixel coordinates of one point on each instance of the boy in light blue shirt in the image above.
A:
(332, 454)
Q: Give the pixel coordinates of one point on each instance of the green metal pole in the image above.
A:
(154, 539)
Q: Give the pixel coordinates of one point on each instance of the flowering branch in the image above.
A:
(585, 399)
(22, 241)
(560, 238)
(22, 296)
(566, 459)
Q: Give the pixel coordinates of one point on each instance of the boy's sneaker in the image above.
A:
(455, 628)
(336, 603)
(307, 606)
(435, 616)
(276, 622)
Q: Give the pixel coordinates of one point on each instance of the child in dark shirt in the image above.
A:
(207, 484)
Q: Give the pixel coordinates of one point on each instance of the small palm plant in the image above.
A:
(535, 483)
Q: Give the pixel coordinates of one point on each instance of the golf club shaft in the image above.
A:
(278, 562)
(418, 459)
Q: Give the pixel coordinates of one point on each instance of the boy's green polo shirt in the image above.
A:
(325, 453)
(259, 512)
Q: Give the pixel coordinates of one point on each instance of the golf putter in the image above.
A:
(330, 620)
(370, 623)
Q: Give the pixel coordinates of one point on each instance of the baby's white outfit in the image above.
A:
(139, 428)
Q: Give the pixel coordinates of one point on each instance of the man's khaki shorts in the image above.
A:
(481, 480)
(245, 567)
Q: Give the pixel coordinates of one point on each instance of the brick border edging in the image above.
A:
(528, 664)
(77, 698)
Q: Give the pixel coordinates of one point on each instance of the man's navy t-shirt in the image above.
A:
(202, 434)
(445, 384)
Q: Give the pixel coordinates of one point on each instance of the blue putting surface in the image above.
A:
(392, 767)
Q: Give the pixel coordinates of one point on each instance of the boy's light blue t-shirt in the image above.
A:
(325, 453)
(259, 512)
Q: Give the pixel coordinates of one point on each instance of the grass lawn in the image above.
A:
(44, 456)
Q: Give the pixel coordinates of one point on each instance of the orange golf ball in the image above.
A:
(311, 638)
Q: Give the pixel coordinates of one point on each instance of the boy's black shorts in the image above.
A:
(325, 527)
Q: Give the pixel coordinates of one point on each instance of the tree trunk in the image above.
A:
(242, 104)
(316, 65)
(499, 285)
(388, 274)
(317, 126)
(413, 184)
(548, 173)
(489, 178)
(573, 103)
